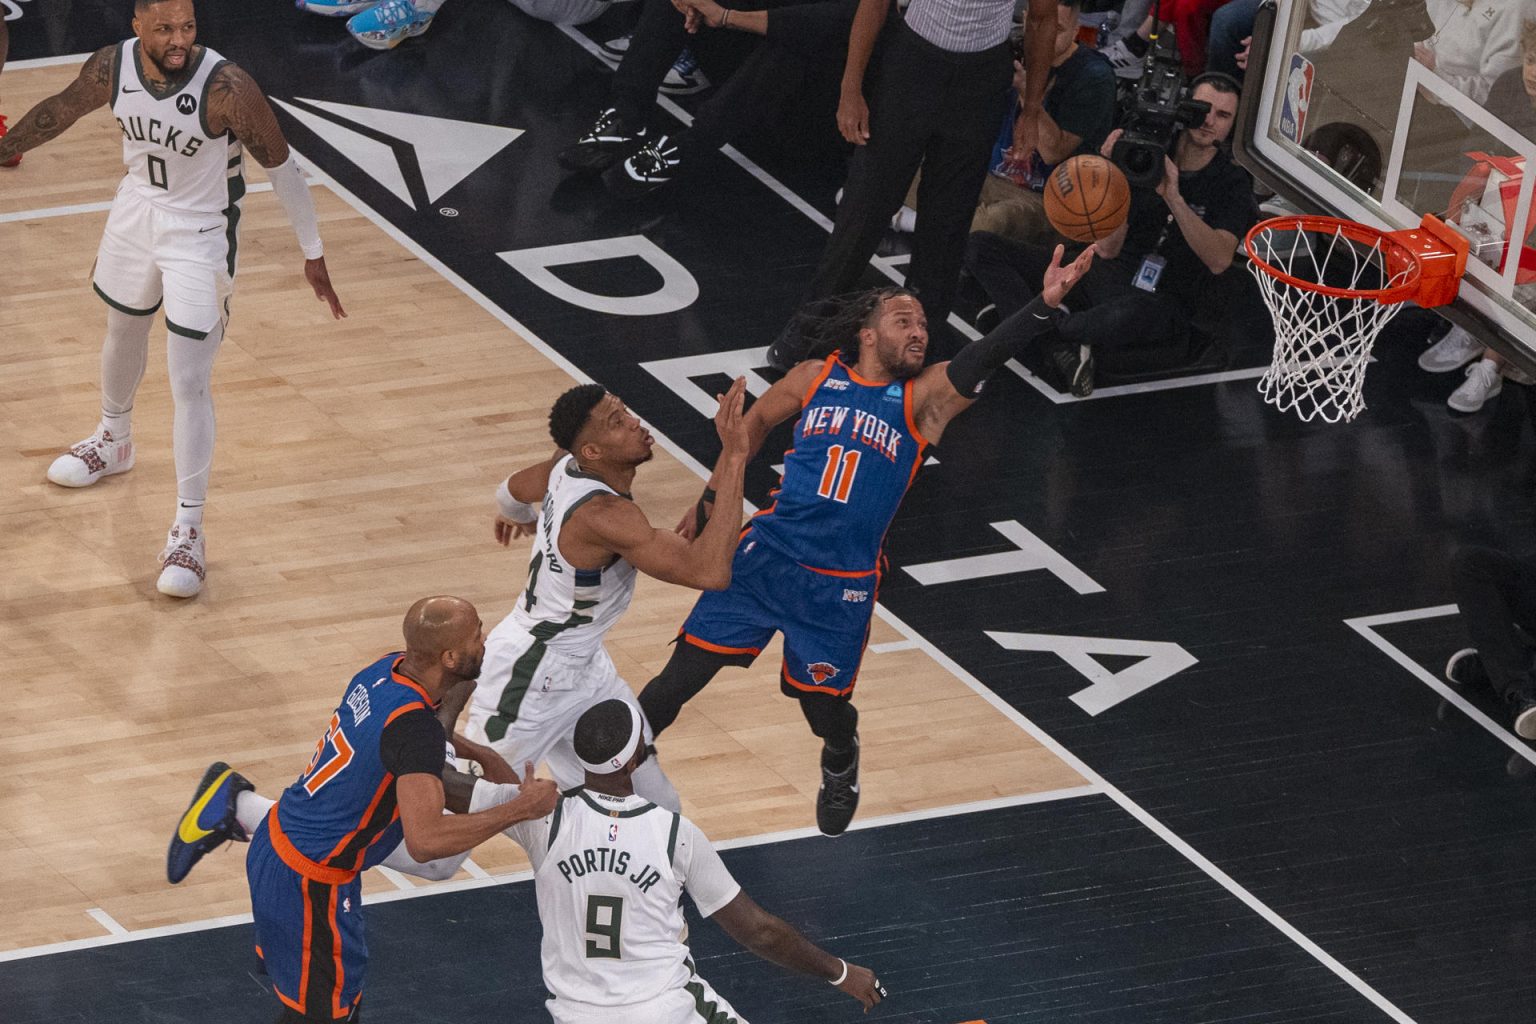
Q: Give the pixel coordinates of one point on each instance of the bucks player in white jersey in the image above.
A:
(187, 118)
(545, 662)
(610, 870)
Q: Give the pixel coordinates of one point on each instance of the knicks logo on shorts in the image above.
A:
(820, 672)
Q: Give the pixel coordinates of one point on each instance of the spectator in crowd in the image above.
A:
(1190, 21)
(1158, 269)
(1077, 115)
(942, 88)
(797, 37)
(1496, 592)
(1475, 41)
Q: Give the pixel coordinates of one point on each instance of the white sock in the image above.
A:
(250, 808)
(652, 783)
(123, 356)
(190, 362)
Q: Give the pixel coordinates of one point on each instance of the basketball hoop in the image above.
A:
(1331, 286)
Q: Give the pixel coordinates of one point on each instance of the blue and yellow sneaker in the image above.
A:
(209, 821)
(334, 8)
(384, 27)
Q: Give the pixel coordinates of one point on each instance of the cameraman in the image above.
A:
(1154, 273)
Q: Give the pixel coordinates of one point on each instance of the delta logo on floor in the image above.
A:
(419, 159)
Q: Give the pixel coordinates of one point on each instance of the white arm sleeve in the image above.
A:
(293, 193)
(704, 874)
(532, 836)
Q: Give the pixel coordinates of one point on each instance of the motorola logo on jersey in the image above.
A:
(186, 104)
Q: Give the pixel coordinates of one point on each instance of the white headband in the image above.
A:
(619, 760)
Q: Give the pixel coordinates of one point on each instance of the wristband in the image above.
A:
(708, 497)
(841, 977)
(512, 509)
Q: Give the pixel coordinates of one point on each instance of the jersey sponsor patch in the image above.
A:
(820, 671)
(893, 393)
(835, 384)
(186, 104)
(855, 596)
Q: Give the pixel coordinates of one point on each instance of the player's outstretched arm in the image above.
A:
(430, 834)
(777, 404)
(775, 940)
(91, 88)
(704, 562)
(945, 390)
(236, 104)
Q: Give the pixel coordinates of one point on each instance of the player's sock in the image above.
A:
(123, 356)
(652, 783)
(250, 808)
(190, 362)
(836, 759)
(189, 511)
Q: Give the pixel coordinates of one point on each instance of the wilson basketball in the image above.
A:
(1086, 198)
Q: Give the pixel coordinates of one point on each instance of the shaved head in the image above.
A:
(438, 624)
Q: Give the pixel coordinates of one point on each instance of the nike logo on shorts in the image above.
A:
(128, 90)
(211, 227)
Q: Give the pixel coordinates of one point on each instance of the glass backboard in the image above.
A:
(1381, 111)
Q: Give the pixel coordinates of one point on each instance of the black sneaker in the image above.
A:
(209, 820)
(1075, 366)
(608, 141)
(1524, 707)
(1465, 668)
(838, 797)
(648, 168)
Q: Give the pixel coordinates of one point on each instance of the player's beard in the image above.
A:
(170, 74)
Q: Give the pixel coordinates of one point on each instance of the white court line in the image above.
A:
(106, 920)
(891, 646)
(396, 879)
(1365, 626)
(42, 213)
(484, 879)
(474, 870)
(1008, 711)
(47, 62)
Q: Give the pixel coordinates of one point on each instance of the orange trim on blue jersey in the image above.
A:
(857, 379)
(297, 862)
(296, 1007)
(826, 370)
(906, 405)
(378, 795)
(403, 708)
(847, 574)
(718, 648)
(403, 680)
(309, 931)
(813, 688)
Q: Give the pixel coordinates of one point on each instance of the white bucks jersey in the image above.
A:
(570, 609)
(609, 873)
(173, 160)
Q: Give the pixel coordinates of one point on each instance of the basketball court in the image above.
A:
(1152, 722)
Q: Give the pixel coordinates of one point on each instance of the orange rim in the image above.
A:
(1398, 256)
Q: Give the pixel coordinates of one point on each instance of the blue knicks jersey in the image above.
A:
(345, 799)
(855, 451)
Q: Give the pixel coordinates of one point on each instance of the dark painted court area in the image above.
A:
(1067, 910)
(1341, 791)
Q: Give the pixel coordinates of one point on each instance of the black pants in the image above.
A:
(834, 719)
(1108, 312)
(1496, 592)
(930, 108)
(802, 35)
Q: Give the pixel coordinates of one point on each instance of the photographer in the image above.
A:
(1157, 271)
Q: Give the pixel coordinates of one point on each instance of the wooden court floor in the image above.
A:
(354, 469)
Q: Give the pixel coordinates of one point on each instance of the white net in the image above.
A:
(1323, 341)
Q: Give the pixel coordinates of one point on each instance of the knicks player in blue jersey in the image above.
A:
(809, 565)
(376, 778)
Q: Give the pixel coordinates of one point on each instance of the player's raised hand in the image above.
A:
(730, 419)
(315, 273)
(1060, 279)
(538, 795)
(862, 984)
(508, 530)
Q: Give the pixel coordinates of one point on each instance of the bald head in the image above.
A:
(438, 624)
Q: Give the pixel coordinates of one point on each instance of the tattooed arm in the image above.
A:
(92, 88)
(236, 105)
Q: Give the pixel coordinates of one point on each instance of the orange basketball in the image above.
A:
(1086, 197)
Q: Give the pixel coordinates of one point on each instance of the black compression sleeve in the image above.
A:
(413, 743)
(971, 367)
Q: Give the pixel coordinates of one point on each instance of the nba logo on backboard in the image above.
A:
(1298, 91)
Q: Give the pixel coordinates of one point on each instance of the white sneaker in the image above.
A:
(183, 559)
(1455, 350)
(1125, 63)
(1483, 382)
(88, 461)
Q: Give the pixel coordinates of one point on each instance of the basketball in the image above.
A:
(1086, 197)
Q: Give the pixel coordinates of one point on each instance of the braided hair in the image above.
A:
(823, 326)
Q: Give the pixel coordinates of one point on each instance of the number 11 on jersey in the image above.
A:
(837, 476)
